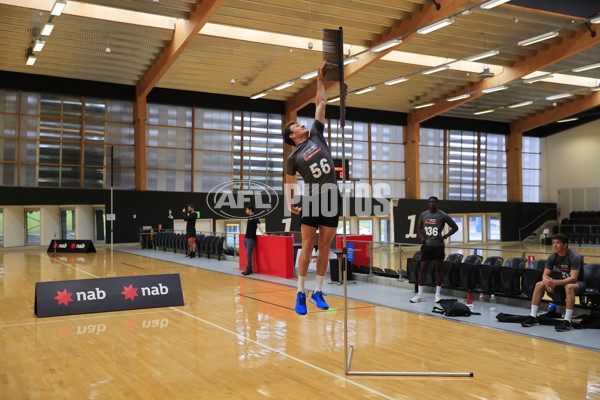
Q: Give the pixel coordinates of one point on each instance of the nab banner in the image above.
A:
(71, 246)
(107, 294)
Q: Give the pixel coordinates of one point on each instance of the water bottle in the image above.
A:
(481, 297)
(552, 307)
(492, 303)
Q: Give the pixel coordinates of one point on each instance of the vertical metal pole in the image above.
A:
(112, 215)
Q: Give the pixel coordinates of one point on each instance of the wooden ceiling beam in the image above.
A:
(553, 114)
(564, 48)
(185, 32)
(427, 16)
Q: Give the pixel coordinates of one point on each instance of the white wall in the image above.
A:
(572, 161)
(84, 222)
(49, 224)
(14, 226)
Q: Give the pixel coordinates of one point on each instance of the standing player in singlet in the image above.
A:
(430, 228)
(321, 202)
(568, 264)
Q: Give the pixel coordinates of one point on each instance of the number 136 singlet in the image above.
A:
(433, 224)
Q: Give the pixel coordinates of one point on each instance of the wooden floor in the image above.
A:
(238, 338)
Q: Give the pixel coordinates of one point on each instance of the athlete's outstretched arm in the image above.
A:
(321, 98)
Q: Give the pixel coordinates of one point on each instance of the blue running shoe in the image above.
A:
(301, 303)
(317, 299)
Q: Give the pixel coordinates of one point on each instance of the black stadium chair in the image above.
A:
(452, 270)
(469, 272)
(199, 241)
(218, 247)
(532, 275)
(510, 276)
(488, 274)
(412, 267)
(591, 297)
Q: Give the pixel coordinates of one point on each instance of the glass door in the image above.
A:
(32, 227)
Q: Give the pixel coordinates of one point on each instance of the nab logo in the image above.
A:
(131, 292)
(62, 246)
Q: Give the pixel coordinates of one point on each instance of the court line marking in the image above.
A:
(75, 268)
(312, 312)
(131, 265)
(81, 319)
(368, 389)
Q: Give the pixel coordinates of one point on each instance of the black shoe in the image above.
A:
(192, 255)
(564, 326)
(247, 272)
(530, 321)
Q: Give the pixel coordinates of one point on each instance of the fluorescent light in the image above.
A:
(493, 3)
(521, 104)
(489, 110)
(595, 20)
(349, 60)
(284, 85)
(560, 121)
(310, 75)
(365, 90)
(333, 100)
(386, 45)
(597, 88)
(58, 7)
(538, 78)
(586, 67)
(435, 69)
(481, 56)
(31, 60)
(39, 45)
(494, 89)
(436, 26)
(394, 81)
(424, 105)
(258, 95)
(539, 38)
(47, 30)
(559, 96)
(459, 97)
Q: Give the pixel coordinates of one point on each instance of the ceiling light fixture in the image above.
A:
(586, 67)
(333, 100)
(435, 69)
(493, 3)
(31, 60)
(560, 121)
(258, 95)
(481, 56)
(310, 75)
(365, 90)
(395, 81)
(538, 78)
(489, 110)
(521, 104)
(434, 27)
(39, 45)
(494, 89)
(386, 45)
(424, 105)
(350, 60)
(539, 38)
(47, 30)
(459, 97)
(58, 8)
(284, 85)
(559, 96)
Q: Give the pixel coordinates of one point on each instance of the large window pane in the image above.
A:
(32, 227)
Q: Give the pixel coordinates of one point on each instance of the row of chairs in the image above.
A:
(177, 242)
(513, 278)
(584, 217)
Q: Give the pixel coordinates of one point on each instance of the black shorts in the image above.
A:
(429, 253)
(189, 235)
(561, 289)
(315, 218)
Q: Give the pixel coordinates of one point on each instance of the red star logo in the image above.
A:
(55, 245)
(73, 245)
(130, 292)
(63, 297)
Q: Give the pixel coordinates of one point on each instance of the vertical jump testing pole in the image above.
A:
(112, 175)
(333, 53)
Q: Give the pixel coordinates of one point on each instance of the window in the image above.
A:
(67, 224)
(99, 224)
(365, 227)
(384, 230)
(232, 238)
(493, 228)
(458, 237)
(32, 227)
(531, 158)
(475, 228)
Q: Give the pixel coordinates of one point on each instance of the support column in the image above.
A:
(514, 164)
(139, 121)
(411, 159)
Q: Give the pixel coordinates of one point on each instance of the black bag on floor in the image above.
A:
(545, 319)
(453, 308)
(591, 321)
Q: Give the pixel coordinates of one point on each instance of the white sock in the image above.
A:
(438, 290)
(420, 292)
(301, 280)
(319, 285)
(568, 314)
(534, 310)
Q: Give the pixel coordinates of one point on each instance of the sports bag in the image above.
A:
(453, 308)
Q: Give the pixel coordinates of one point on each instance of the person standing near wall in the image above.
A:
(190, 216)
(250, 239)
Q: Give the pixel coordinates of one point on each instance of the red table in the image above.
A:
(361, 242)
(272, 255)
